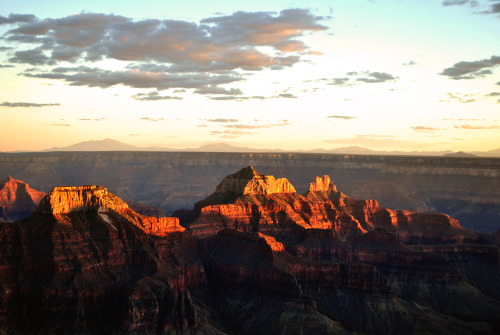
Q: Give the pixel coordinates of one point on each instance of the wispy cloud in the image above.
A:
(460, 97)
(154, 96)
(98, 119)
(161, 54)
(343, 117)
(221, 120)
(424, 129)
(282, 123)
(27, 104)
(471, 70)
(151, 119)
(61, 124)
(377, 77)
(470, 127)
(5, 66)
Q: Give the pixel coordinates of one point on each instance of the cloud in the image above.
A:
(470, 127)
(471, 70)
(17, 18)
(230, 133)
(354, 77)
(459, 2)
(26, 104)
(99, 119)
(492, 94)
(150, 119)
(162, 54)
(61, 124)
(282, 123)
(410, 63)
(222, 120)
(460, 97)
(286, 95)
(5, 66)
(218, 90)
(95, 77)
(423, 129)
(154, 96)
(341, 117)
(377, 77)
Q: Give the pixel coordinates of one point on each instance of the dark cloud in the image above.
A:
(5, 49)
(492, 94)
(154, 96)
(95, 77)
(17, 18)
(470, 127)
(26, 104)
(218, 91)
(471, 70)
(459, 2)
(343, 117)
(286, 95)
(163, 54)
(5, 66)
(377, 77)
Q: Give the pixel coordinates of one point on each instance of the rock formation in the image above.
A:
(17, 199)
(255, 257)
(249, 201)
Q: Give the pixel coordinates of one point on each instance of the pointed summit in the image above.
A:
(322, 184)
(249, 181)
(17, 199)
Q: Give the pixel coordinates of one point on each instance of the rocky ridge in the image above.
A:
(248, 201)
(254, 257)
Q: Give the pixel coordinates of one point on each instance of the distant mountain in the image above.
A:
(113, 145)
(103, 145)
(106, 145)
(459, 154)
(224, 147)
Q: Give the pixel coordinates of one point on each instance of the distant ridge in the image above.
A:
(113, 145)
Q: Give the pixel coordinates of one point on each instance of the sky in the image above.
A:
(293, 75)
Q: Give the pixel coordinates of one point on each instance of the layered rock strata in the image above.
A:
(253, 258)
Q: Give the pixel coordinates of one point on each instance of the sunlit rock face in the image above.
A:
(17, 199)
(249, 201)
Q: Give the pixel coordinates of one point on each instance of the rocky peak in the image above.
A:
(66, 199)
(322, 184)
(248, 181)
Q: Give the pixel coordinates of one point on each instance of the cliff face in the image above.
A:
(259, 258)
(17, 199)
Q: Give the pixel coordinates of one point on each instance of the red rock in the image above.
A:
(17, 199)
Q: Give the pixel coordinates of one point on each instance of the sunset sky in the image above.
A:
(295, 75)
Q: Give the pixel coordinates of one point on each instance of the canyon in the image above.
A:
(253, 256)
(467, 189)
